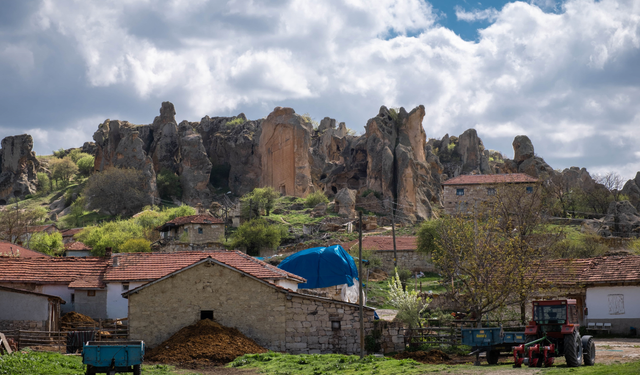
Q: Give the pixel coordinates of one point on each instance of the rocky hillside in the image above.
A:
(392, 163)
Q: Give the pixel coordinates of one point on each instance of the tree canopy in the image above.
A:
(117, 191)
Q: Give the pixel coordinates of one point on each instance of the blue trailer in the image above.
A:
(493, 341)
(110, 357)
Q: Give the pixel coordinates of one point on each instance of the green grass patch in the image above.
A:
(325, 364)
(27, 362)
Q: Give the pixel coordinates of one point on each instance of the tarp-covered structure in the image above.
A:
(322, 267)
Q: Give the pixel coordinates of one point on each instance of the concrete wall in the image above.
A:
(26, 325)
(309, 326)
(117, 305)
(20, 306)
(161, 309)
(618, 305)
(407, 259)
(92, 306)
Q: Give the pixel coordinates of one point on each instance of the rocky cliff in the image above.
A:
(18, 167)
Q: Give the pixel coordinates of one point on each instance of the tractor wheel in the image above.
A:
(90, 370)
(493, 356)
(573, 349)
(589, 350)
(136, 370)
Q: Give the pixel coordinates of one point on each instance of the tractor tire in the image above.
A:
(493, 356)
(588, 350)
(573, 349)
(136, 370)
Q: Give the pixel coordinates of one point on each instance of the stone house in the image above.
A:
(239, 291)
(200, 231)
(408, 256)
(463, 193)
(75, 280)
(27, 310)
(607, 289)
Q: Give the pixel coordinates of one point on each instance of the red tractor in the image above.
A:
(553, 332)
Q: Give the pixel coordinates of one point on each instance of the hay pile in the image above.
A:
(431, 357)
(205, 341)
(73, 320)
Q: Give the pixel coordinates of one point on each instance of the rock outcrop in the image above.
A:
(164, 147)
(632, 190)
(18, 167)
(622, 220)
(525, 161)
(195, 167)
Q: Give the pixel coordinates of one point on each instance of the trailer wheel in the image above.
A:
(136, 370)
(589, 350)
(90, 370)
(493, 356)
(573, 349)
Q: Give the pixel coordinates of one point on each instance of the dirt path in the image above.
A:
(617, 350)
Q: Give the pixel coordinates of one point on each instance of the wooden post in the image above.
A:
(360, 295)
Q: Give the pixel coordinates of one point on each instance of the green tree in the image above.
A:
(117, 191)
(315, 198)
(136, 245)
(74, 218)
(63, 169)
(260, 200)
(86, 165)
(256, 234)
(50, 244)
(169, 185)
(43, 184)
(409, 305)
(14, 220)
(76, 154)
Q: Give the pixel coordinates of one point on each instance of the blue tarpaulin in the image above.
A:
(322, 267)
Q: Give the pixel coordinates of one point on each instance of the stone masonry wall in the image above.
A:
(27, 325)
(255, 309)
(407, 259)
(210, 233)
(456, 204)
(309, 326)
(392, 336)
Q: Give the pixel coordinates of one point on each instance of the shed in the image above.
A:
(275, 317)
(27, 310)
(199, 230)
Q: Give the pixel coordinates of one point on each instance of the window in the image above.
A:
(616, 304)
(186, 230)
(199, 230)
(459, 191)
(91, 293)
(206, 314)
(335, 325)
(125, 286)
(73, 298)
(491, 191)
(529, 189)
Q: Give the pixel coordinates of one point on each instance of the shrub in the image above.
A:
(315, 198)
(117, 191)
(43, 184)
(256, 234)
(259, 200)
(136, 245)
(63, 169)
(86, 165)
(43, 242)
(407, 302)
(369, 191)
(235, 121)
(169, 185)
(77, 154)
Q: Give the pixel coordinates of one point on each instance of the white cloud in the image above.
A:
(489, 14)
(569, 79)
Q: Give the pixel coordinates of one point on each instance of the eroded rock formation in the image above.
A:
(18, 167)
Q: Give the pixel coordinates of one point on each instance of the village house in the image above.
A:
(67, 234)
(196, 232)
(27, 310)
(11, 250)
(607, 290)
(408, 256)
(465, 193)
(240, 291)
(76, 249)
(29, 231)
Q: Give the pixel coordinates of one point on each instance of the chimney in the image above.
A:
(199, 210)
(107, 252)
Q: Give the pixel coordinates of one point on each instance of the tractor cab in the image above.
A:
(554, 318)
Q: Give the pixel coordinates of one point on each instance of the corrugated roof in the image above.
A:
(150, 266)
(386, 243)
(479, 179)
(52, 270)
(10, 250)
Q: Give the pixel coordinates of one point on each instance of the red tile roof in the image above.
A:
(150, 266)
(601, 270)
(52, 270)
(16, 290)
(12, 250)
(71, 232)
(386, 243)
(478, 179)
(76, 246)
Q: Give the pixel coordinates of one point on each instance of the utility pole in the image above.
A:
(226, 222)
(360, 296)
(393, 233)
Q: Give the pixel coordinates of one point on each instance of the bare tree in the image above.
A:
(16, 220)
(613, 182)
(117, 191)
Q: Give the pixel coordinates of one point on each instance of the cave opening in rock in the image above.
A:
(334, 189)
(219, 177)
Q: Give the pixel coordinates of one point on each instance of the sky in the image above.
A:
(565, 73)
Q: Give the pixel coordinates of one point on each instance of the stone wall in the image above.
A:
(316, 326)
(161, 309)
(474, 195)
(392, 337)
(26, 325)
(407, 259)
(210, 233)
